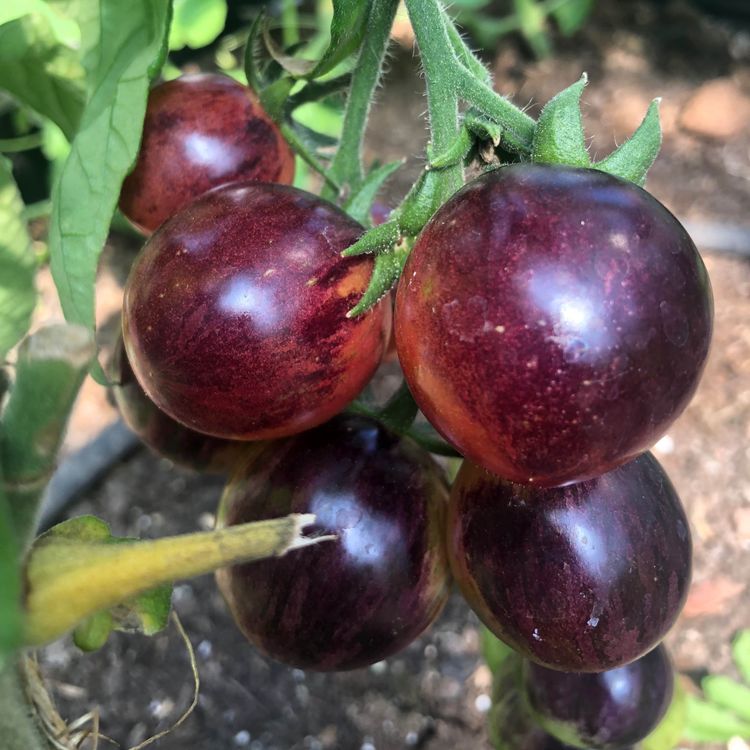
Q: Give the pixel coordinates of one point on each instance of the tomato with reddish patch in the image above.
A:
(165, 436)
(200, 131)
(234, 317)
(365, 595)
(553, 322)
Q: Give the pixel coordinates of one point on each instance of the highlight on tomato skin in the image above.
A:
(605, 711)
(200, 131)
(234, 317)
(581, 578)
(553, 322)
(354, 601)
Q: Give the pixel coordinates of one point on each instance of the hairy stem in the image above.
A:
(347, 168)
(439, 63)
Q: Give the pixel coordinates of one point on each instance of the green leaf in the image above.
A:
(361, 200)
(388, 268)
(741, 654)
(494, 651)
(707, 722)
(196, 23)
(634, 158)
(726, 692)
(17, 292)
(42, 72)
(131, 47)
(572, 15)
(11, 622)
(559, 137)
(348, 28)
(671, 728)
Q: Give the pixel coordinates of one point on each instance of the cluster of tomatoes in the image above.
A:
(551, 323)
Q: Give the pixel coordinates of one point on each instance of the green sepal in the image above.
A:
(559, 137)
(728, 693)
(670, 729)
(707, 722)
(632, 160)
(376, 240)
(387, 269)
(420, 203)
(360, 202)
(741, 654)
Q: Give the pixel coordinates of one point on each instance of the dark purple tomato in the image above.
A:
(580, 578)
(606, 711)
(200, 131)
(509, 723)
(185, 447)
(356, 600)
(553, 322)
(234, 317)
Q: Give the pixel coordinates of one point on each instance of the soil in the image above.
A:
(433, 695)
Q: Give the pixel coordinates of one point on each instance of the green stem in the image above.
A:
(289, 22)
(518, 126)
(462, 51)
(50, 369)
(440, 65)
(19, 728)
(21, 143)
(347, 168)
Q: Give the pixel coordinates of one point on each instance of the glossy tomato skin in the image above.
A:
(200, 131)
(552, 322)
(234, 317)
(166, 437)
(581, 578)
(350, 602)
(606, 711)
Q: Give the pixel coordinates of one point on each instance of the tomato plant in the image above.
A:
(552, 319)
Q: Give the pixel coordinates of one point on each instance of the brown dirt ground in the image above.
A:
(427, 696)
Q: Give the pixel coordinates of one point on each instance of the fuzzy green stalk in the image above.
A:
(346, 168)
